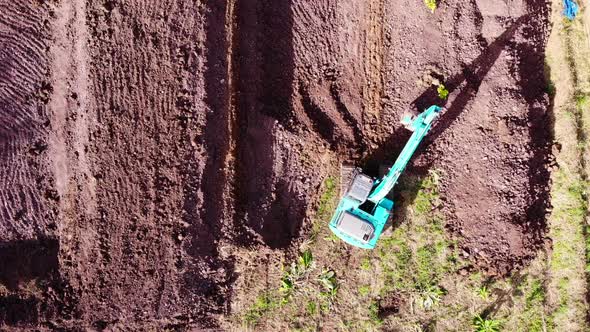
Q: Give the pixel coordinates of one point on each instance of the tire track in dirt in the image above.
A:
(29, 216)
(72, 115)
(373, 88)
(267, 210)
(214, 271)
(26, 211)
(150, 151)
(339, 60)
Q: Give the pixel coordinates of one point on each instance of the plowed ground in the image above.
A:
(144, 143)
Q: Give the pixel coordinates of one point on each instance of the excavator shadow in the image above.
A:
(467, 83)
(405, 195)
(26, 264)
(27, 260)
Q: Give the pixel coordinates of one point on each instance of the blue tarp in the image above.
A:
(570, 9)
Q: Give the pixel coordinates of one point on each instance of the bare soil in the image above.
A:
(144, 143)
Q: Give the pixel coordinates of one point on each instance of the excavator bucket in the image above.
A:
(408, 120)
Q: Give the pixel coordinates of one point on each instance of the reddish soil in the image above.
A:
(142, 141)
(493, 143)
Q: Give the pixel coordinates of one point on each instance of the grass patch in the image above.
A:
(366, 264)
(303, 291)
(564, 295)
(427, 196)
(374, 316)
(416, 256)
(364, 290)
(326, 205)
(262, 305)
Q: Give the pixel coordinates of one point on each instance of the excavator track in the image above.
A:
(346, 174)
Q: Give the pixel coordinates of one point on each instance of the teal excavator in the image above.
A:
(364, 209)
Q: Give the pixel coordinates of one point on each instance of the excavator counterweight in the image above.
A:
(364, 208)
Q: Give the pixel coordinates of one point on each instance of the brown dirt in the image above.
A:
(144, 143)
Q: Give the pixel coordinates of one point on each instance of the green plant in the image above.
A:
(374, 313)
(287, 285)
(328, 279)
(431, 4)
(296, 272)
(443, 93)
(483, 292)
(582, 101)
(312, 308)
(330, 286)
(263, 304)
(431, 297)
(366, 264)
(485, 325)
(364, 290)
(305, 260)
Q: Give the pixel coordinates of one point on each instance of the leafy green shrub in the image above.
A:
(295, 274)
(431, 297)
(305, 260)
(483, 292)
(486, 325)
(431, 4)
(443, 93)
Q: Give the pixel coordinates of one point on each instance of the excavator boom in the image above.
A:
(420, 125)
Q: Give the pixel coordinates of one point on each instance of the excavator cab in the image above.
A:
(359, 221)
(364, 209)
(348, 223)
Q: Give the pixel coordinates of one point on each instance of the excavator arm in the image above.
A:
(420, 125)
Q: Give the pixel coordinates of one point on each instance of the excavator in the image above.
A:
(364, 209)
